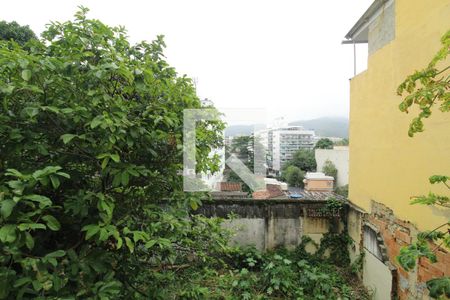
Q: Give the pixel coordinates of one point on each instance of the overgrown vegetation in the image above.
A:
(310, 271)
(91, 130)
(425, 89)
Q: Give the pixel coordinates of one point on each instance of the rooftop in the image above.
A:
(317, 196)
(317, 176)
(359, 33)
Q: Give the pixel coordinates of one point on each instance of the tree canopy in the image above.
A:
(13, 31)
(325, 143)
(303, 159)
(91, 130)
(427, 88)
(294, 176)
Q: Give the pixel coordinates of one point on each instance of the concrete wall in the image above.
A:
(339, 157)
(382, 29)
(354, 225)
(267, 224)
(377, 277)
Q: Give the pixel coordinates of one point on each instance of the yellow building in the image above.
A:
(386, 166)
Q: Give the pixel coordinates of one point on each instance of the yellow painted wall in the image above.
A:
(385, 164)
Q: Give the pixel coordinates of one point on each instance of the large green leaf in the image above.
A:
(66, 138)
(42, 200)
(52, 223)
(8, 233)
(26, 74)
(7, 207)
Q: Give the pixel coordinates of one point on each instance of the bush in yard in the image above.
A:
(294, 176)
(91, 130)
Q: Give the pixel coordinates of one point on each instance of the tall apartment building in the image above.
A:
(281, 144)
(386, 166)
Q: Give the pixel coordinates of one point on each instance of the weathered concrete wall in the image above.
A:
(382, 28)
(354, 230)
(248, 232)
(377, 277)
(268, 224)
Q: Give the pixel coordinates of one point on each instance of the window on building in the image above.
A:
(371, 242)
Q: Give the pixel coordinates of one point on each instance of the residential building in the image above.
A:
(318, 182)
(334, 139)
(288, 140)
(386, 166)
(340, 159)
(281, 143)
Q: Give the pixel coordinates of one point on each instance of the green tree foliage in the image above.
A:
(244, 149)
(329, 169)
(425, 89)
(324, 144)
(91, 130)
(294, 176)
(13, 31)
(303, 159)
(343, 142)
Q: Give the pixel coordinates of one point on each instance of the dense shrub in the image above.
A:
(91, 130)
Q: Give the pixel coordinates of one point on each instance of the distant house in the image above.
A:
(318, 182)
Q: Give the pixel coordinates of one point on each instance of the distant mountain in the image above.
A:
(236, 130)
(326, 126)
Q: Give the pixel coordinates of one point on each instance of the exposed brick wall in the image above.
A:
(396, 234)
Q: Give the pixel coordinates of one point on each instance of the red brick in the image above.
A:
(261, 195)
(402, 295)
(378, 223)
(424, 275)
(402, 236)
(402, 223)
(437, 270)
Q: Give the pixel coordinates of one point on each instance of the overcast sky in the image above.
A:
(282, 56)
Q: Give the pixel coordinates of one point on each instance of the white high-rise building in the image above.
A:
(281, 143)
